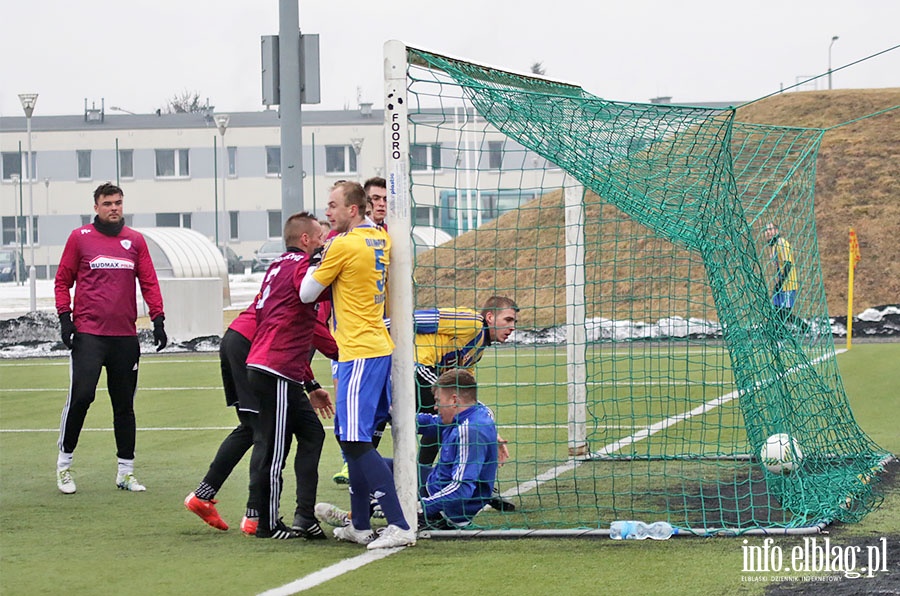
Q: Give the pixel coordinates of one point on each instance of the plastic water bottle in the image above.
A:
(660, 530)
(628, 530)
(638, 530)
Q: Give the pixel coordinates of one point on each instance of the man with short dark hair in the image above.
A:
(376, 196)
(102, 260)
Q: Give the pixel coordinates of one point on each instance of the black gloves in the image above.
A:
(67, 329)
(316, 257)
(160, 339)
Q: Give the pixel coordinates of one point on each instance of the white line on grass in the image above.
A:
(209, 428)
(332, 571)
(150, 360)
(644, 433)
(622, 385)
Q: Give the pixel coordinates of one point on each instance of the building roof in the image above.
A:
(188, 120)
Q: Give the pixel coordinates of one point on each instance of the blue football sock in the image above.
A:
(359, 495)
(380, 482)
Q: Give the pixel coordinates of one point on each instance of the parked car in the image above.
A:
(8, 258)
(235, 264)
(268, 252)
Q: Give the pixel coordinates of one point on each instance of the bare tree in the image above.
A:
(184, 102)
(538, 68)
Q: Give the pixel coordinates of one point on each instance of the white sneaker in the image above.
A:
(350, 534)
(129, 482)
(392, 537)
(64, 481)
(332, 515)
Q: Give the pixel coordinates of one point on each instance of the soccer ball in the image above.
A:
(780, 454)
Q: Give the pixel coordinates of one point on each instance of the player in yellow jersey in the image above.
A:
(354, 265)
(785, 291)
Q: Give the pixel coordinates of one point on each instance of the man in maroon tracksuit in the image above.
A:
(283, 383)
(233, 352)
(102, 260)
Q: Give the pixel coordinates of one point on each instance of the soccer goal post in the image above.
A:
(661, 341)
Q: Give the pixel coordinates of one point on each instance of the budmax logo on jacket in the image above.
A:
(102, 262)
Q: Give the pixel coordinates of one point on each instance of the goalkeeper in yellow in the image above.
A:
(784, 293)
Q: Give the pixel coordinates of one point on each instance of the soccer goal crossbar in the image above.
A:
(663, 217)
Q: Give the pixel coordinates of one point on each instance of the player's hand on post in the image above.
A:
(67, 329)
(321, 403)
(160, 339)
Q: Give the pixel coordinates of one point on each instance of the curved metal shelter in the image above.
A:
(182, 253)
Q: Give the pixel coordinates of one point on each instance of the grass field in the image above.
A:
(104, 541)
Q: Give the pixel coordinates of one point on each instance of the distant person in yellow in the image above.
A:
(784, 293)
(354, 264)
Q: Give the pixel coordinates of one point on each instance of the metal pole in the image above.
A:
(833, 39)
(291, 128)
(227, 221)
(216, 187)
(118, 159)
(20, 232)
(32, 272)
(312, 156)
(16, 181)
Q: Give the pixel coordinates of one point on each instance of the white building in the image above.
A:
(169, 166)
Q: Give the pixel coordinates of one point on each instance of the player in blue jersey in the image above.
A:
(462, 481)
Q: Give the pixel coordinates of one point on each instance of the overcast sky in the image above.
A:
(139, 53)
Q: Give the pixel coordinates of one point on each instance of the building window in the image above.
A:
(273, 161)
(83, 158)
(173, 220)
(233, 225)
(275, 230)
(126, 163)
(425, 157)
(424, 216)
(232, 162)
(12, 162)
(173, 163)
(495, 154)
(9, 230)
(340, 159)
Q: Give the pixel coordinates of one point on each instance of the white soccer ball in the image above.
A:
(780, 454)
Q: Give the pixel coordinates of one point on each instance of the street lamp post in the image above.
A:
(28, 100)
(833, 39)
(222, 124)
(47, 213)
(14, 178)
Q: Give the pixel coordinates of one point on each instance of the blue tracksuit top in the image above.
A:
(463, 477)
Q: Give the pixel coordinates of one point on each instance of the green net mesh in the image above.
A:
(688, 366)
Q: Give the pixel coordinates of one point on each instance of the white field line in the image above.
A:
(211, 428)
(332, 571)
(622, 385)
(642, 434)
(542, 352)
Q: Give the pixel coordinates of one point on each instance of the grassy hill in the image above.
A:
(857, 184)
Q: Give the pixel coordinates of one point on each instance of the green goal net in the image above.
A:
(650, 365)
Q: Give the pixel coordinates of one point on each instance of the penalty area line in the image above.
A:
(321, 576)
